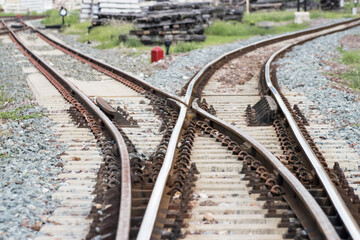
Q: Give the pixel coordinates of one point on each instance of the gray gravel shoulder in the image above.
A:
(28, 155)
(301, 71)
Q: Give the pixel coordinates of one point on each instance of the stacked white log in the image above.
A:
(68, 4)
(91, 9)
(26, 6)
(119, 6)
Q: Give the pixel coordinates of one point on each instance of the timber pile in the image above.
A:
(179, 22)
(330, 4)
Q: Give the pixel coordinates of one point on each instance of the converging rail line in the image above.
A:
(135, 180)
(318, 222)
(242, 168)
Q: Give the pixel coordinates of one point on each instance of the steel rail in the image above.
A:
(335, 197)
(123, 228)
(117, 71)
(153, 207)
(327, 230)
(309, 205)
(213, 65)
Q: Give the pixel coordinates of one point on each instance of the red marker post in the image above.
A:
(156, 54)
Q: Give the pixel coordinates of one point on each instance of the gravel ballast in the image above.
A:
(28, 155)
(176, 70)
(302, 71)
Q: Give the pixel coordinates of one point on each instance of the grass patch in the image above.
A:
(220, 32)
(79, 28)
(133, 43)
(353, 78)
(3, 14)
(352, 59)
(54, 18)
(242, 31)
(107, 35)
(185, 47)
(4, 97)
(276, 16)
(18, 114)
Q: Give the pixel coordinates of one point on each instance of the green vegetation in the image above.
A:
(54, 17)
(4, 97)
(184, 47)
(18, 114)
(80, 28)
(352, 59)
(221, 28)
(133, 43)
(220, 32)
(276, 16)
(353, 78)
(107, 35)
(3, 14)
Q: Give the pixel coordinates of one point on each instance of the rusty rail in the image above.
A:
(317, 219)
(330, 188)
(307, 209)
(202, 76)
(153, 207)
(123, 228)
(112, 71)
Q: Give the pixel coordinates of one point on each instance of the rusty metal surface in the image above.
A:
(50, 73)
(150, 217)
(118, 74)
(323, 228)
(116, 116)
(202, 76)
(330, 188)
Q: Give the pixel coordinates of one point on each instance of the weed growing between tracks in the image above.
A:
(17, 113)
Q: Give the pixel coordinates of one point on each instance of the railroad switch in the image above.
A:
(120, 117)
(262, 113)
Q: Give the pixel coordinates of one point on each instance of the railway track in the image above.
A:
(145, 140)
(230, 100)
(188, 172)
